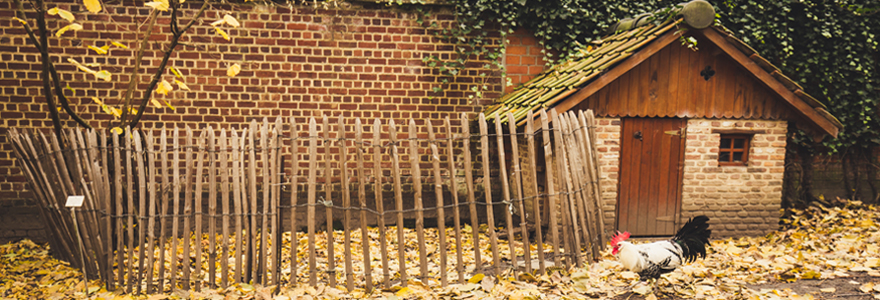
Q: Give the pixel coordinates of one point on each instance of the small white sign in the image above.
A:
(74, 201)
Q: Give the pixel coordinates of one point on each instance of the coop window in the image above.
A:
(734, 149)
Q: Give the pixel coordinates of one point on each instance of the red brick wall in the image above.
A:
(523, 58)
(363, 60)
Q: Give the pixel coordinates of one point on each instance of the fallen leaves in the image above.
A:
(811, 247)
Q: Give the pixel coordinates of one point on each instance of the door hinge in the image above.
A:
(681, 132)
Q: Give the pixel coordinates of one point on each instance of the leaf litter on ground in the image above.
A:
(816, 244)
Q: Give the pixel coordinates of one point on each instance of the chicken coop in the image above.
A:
(690, 121)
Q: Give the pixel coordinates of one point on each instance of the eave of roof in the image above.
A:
(567, 84)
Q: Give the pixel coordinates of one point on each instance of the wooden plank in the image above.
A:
(518, 189)
(48, 210)
(328, 198)
(247, 235)
(119, 213)
(237, 163)
(265, 141)
(97, 184)
(196, 279)
(505, 188)
(790, 98)
(142, 197)
(163, 221)
(487, 189)
(187, 211)
(566, 187)
(313, 152)
(188, 203)
(294, 180)
(362, 199)
(151, 214)
(472, 203)
(419, 205)
(163, 227)
(380, 207)
(83, 168)
(275, 208)
(574, 160)
(107, 235)
(536, 207)
(398, 200)
(253, 259)
(346, 203)
(175, 221)
(129, 178)
(456, 219)
(212, 210)
(224, 191)
(593, 169)
(658, 44)
(441, 209)
(583, 181)
(551, 187)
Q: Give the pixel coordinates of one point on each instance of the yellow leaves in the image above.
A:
(63, 13)
(103, 75)
(227, 19)
(118, 44)
(221, 33)
(181, 85)
(92, 5)
(164, 87)
(64, 29)
(161, 5)
(176, 73)
(101, 50)
(233, 70)
(477, 278)
(231, 21)
(155, 103)
(116, 130)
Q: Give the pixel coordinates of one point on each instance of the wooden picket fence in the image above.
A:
(241, 184)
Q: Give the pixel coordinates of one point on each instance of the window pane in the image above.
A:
(724, 156)
(725, 143)
(738, 143)
(737, 156)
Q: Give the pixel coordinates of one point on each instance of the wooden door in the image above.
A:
(651, 165)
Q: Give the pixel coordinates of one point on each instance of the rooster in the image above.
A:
(658, 258)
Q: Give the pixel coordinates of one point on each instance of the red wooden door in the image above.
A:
(651, 165)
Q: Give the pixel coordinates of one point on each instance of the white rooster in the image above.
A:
(658, 258)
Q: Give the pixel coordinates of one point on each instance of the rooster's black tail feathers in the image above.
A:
(693, 237)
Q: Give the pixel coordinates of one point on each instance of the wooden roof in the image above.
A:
(570, 83)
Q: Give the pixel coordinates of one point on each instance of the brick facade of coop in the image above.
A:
(741, 200)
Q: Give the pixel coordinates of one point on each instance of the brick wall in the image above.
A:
(608, 146)
(363, 60)
(740, 200)
(523, 57)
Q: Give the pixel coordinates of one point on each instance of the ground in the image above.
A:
(820, 253)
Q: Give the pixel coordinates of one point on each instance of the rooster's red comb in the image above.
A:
(619, 237)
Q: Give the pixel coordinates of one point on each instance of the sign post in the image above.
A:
(73, 202)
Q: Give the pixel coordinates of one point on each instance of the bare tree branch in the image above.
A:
(137, 66)
(174, 43)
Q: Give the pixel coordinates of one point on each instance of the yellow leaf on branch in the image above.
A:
(161, 5)
(104, 75)
(231, 21)
(176, 73)
(64, 29)
(116, 130)
(120, 45)
(101, 50)
(93, 5)
(181, 85)
(63, 13)
(164, 87)
(233, 70)
(221, 33)
(155, 103)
